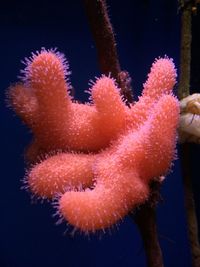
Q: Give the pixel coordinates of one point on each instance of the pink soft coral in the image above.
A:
(112, 152)
(123, 172)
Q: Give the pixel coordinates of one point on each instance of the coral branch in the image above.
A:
(55, 175)
(24, 103)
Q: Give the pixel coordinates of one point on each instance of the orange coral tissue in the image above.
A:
(100, 156)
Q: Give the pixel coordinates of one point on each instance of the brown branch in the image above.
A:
(104, 38)
(185, 55)
(102, 31)
(190, 204)
(145, 218)
(183, 91)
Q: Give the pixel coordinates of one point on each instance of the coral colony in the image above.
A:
(99, 157)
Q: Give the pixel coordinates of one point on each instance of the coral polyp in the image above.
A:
(106, 154)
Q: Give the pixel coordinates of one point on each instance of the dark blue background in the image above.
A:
(28, 235)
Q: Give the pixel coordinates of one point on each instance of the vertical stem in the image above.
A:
(103, 34)
(183, 91)
(101, 27)
(185, 55)
(190, 204)
(145, 219)
(104, 37)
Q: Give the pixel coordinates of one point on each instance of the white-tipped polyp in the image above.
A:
(25, 73)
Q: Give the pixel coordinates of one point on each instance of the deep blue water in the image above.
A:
(28, 235)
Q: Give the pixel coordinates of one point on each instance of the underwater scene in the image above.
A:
(100, 130)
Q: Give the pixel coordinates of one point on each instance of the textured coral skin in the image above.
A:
(110, 152)
(123, 173)
(60, 123)
(57, 122)
(61, 172)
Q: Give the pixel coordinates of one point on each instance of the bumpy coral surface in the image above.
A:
(110, 152)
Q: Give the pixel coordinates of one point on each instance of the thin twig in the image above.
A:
(190, 204)
(145, 218)
(102, 30)
(183, 91)
(185, 55)
(106, 46)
